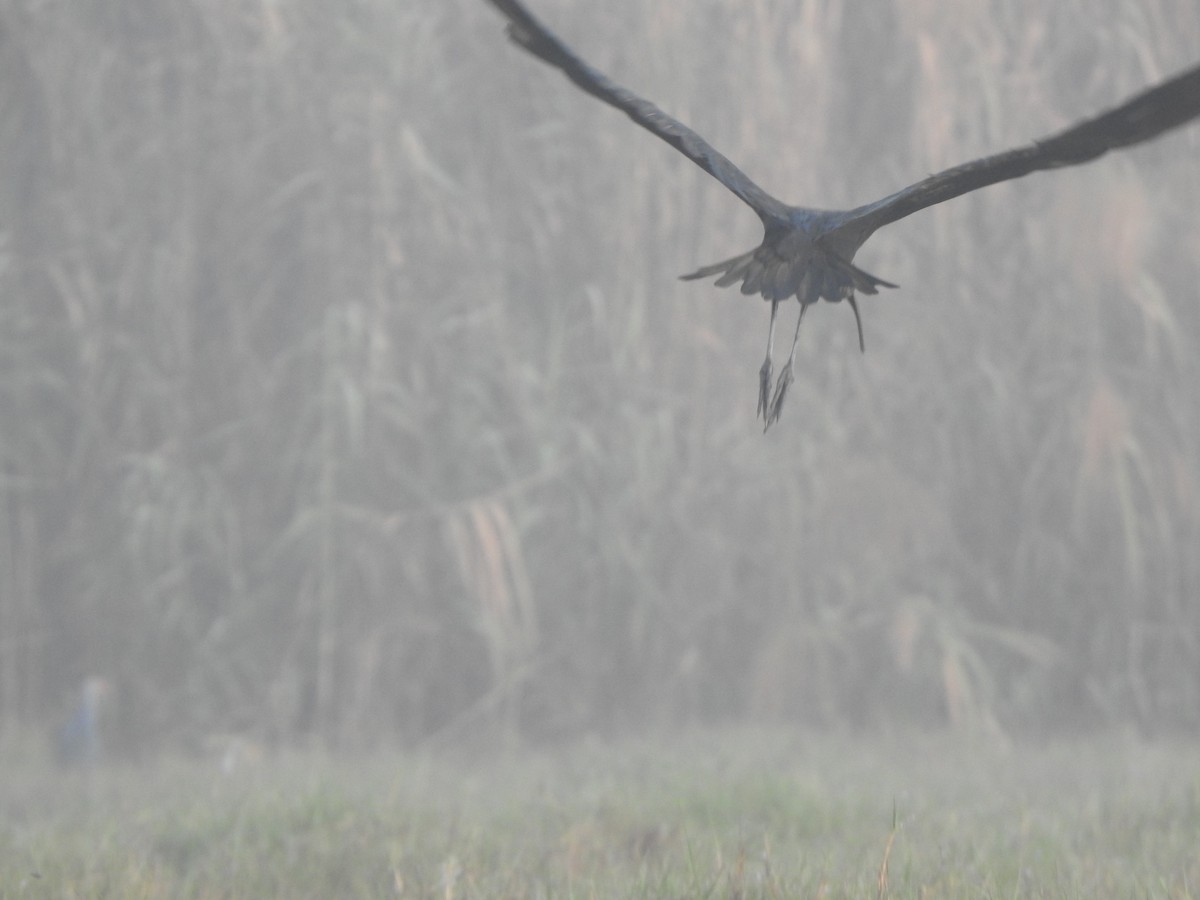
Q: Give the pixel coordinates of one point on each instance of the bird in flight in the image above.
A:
(808, 253)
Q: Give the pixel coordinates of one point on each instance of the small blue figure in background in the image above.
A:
(81, 738)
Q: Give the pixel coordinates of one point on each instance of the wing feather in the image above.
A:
(1149, 114)
(534, 37)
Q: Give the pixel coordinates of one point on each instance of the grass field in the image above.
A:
(716, 815)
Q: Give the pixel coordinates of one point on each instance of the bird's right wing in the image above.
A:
(531, 34)
(1149, 114)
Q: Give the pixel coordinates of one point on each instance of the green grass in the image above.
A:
(763, 815)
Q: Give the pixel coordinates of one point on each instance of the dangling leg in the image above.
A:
(786, 376)
(862, 347)
(764, 374)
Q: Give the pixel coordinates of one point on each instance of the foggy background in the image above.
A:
(348, 395)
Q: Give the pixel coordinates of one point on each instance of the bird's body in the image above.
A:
(808, 253)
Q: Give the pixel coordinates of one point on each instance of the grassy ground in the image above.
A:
(765, 815)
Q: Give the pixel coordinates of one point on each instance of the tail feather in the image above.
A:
(779, 281)
(727, 267)
(865, 281)
(735, 272)
(753, 282)
(821, 274)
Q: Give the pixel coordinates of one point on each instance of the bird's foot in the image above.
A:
(764, 388)
(785, 379)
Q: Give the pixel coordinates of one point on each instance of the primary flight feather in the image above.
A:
(808, 253)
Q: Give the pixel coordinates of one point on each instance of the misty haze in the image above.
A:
(382, 516)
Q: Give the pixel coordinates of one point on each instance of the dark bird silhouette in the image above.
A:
(808, 253)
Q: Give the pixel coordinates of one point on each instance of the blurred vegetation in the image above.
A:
(348, 393)
(760, 815)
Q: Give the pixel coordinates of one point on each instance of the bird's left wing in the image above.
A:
(531, 34)
(1149, 114)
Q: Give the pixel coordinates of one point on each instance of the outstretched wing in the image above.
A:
(1149, 114)
(531, 34)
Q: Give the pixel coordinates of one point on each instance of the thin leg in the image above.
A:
(862, 346)
(786, 376)
(764, 374)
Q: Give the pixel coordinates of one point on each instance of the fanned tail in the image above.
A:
(807, 278)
